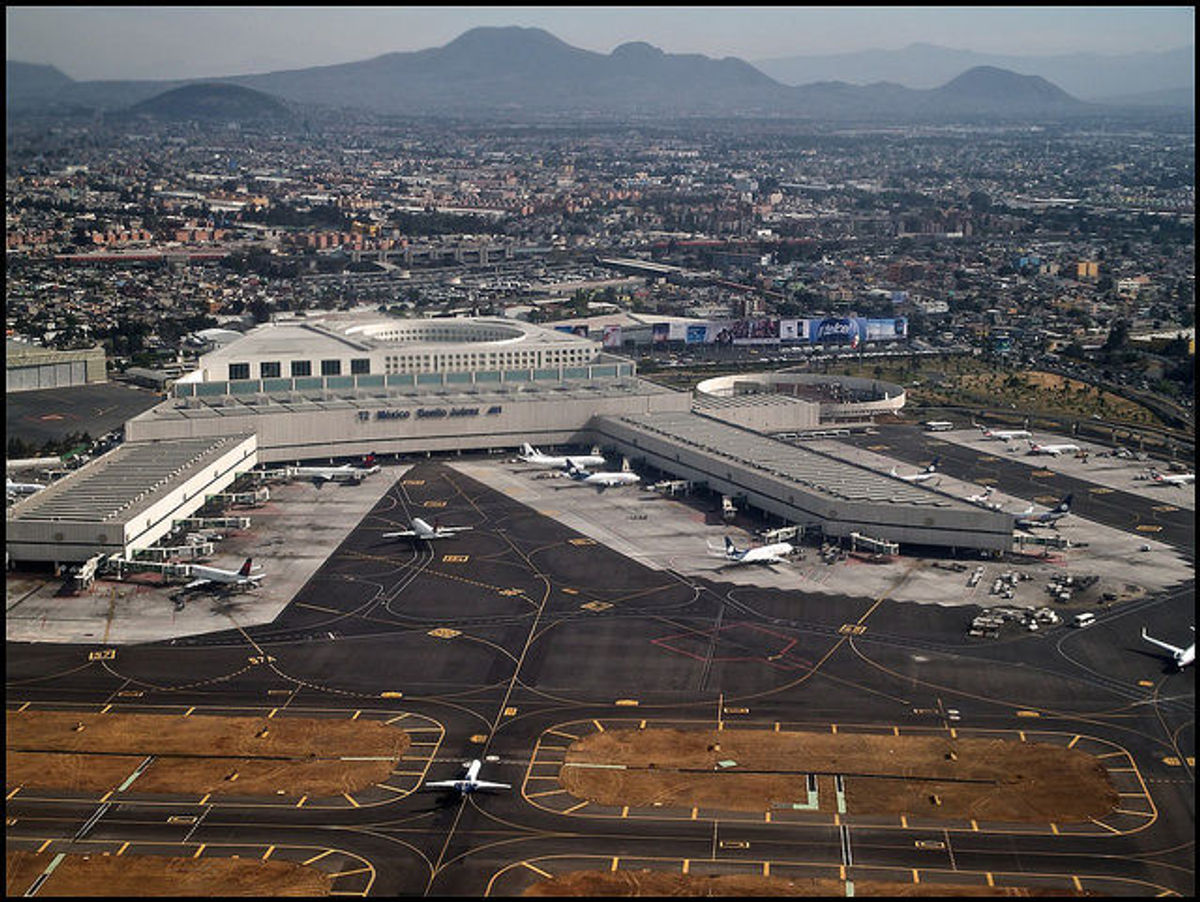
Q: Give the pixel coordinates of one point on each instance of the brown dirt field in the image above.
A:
(1028, 781)
(660, 883)
(154, 875)
(299, 756)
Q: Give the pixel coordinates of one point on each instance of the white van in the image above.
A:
(1085, 619)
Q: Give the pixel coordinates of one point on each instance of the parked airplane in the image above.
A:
(422, 530)
(601, 481)
(1004, 435)
(1181, 657)
(531, 455)
(1056, 450)
(21, 488)
(921, 475)
(984, 499)
(1173, 478)
(350, 473)
(215, 576)
(762, 554)
(1029, 520)
(469, 783)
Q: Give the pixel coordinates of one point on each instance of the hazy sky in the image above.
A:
(189, 42)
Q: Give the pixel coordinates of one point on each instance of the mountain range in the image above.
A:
(514, 72)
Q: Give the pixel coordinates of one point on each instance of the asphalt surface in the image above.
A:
(507, 640)
(53, 413)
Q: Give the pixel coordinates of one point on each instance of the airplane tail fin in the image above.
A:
(933, 465)
(245, 571)
(730, 548)
(369, 460)
(527, 449)
(1065, 504)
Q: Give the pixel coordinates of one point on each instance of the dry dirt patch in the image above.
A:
(153, 875)
(984, 779)
(201, 754)
(658, 883)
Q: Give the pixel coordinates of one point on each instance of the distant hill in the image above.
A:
(1089, 76)
(209, 101)
(30, 80)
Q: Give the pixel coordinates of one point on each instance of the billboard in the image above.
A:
(793, 330)
(612, 336)
(677, 332)
(660, 332)
(763, 331)
(840, 329)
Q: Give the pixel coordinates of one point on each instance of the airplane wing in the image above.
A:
(400, 535)
(197, 583)
(485, 784)
(454, 528)
(1164, 645)
(441, 784)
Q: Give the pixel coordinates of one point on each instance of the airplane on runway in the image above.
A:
(601, 481)
(1181, 657)
(1055, 450)
(531, 455)
(242, 578)
(21, 488)
(469, 783)
(761, 554)
(983, 499)
(422, 530)
(921, 475)
(1172, 479)
(349, 473)
(1004, 435)
(1027, 519)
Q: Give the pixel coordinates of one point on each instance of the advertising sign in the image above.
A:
(755, 331)
(793, 330)
(612, 336)
(677, 332)
(698, 334)
(660, 333)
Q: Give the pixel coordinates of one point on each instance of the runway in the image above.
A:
(501, 640)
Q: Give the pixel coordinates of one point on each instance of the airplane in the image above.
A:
(1004, 435)
(983, 499)
(1028, 520)
(422, 530)
(1181, 657)
(350, 473)
(21, 488)
(1172, 479)
(601, 481)
(531, 455)
(215, 576)
(469, 783)
(762, 554)
(928, 473)
(1056, 450)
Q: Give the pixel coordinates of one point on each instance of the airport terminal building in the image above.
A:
(348, 385)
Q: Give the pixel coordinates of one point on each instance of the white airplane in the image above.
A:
(921, 475)
(984, 499)
(1172, 479)
(350, 473)
(601, 481)
(422, 530)
(469, 783)
(1004, 435)
(775, 553)
(215, 576)
(1055, 450)
(1181, 657)
(531, 455)
(21, 488)
(1029, 520)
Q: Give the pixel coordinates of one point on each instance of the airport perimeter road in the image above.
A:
(1028, 477)
(507, 641)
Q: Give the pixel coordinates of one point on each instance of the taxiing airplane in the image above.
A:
(601, 481)
(469, 783)
(984, 499)
(214, 576)
(349, 473)
(1004, 435)
(1172, 478)
(921, 475)
(1055, 450)
(1029, 520)
(1181, 657)
(531, 455)
(422, 530)
(21, 488)
(775, 553)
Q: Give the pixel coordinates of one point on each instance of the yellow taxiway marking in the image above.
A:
(1127, 811)
(1078, 885)
(13, 793)
(349, 798)
(318, 857)
(1147, 683)
(1149, 527)
(267, 854)
(904, 821)
(564, 735)
(188, 712)
(1054, 829)
(303, 799)
(614, 862)
(548, 792)
(990, 881)
(695, 811)
(392, 720)
(766, 869)
(1071, 744)
(124, 846)
(272, 714)
(1110, 754)
(625, 811)
(833, 727)
(43, 846)
(1026, 713)
(953, 733)
(392, 788)
(354, 716)
(895, 731)
(537, 870)
(841, 872)
(1104, 825)
(204, 799)
(599, 726)
(200, 850)
(642, 725)
(350, 873)
(510, 711)
(626, 703)
(837, 819)
(23, 707)
(767, 817)
(776, 726)
(975, 826)
(1021, 733)
(106, 796)
(104, 710)
(916, 876)
(575, 807)
(687, 863)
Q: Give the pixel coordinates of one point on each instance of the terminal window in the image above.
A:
(269, 369)
(331, 367)
(239, 371)
(360, 365)
(301, 367)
